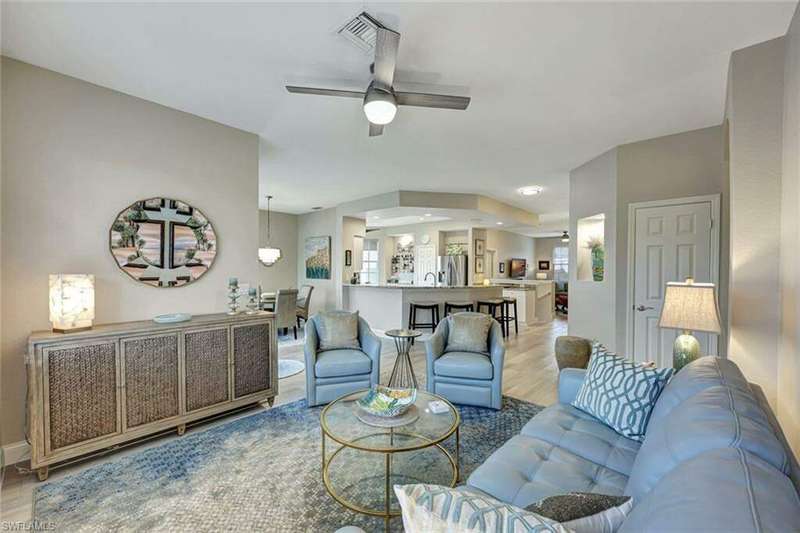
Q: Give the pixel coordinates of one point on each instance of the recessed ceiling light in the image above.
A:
(499, 223)
(531, 190)
(427, 214)
(376, 217)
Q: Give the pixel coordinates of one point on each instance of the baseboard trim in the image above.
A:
(16, 452)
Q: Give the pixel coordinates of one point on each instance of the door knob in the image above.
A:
(641, 308)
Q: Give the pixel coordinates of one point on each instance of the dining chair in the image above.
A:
(303, 303)
(285, 310)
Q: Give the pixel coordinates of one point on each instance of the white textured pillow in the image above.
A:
(437, 509)
(337, 330)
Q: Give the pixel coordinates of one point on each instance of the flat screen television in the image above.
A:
(518, 268)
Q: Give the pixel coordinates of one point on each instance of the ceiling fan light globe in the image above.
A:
(380, 112)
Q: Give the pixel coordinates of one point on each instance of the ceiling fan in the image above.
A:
(380, 98)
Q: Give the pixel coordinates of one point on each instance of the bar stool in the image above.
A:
(492, 305)
(458, 306)
(433, 307)
(508, 301)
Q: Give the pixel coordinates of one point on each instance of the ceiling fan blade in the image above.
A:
(442, 101)
(375, 129)
(323, 92)
(386, 44)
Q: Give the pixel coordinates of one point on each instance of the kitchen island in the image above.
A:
(386, 305)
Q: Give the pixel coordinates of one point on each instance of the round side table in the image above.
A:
(403, 373)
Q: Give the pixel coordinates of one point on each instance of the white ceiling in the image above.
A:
(552, 84)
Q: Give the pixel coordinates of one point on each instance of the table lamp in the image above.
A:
(689, 307)
(71, 302)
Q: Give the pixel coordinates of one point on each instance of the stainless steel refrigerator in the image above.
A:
(452, 270)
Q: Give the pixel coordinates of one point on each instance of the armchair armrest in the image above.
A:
(310, 348)
(436, 343)
(569, 382)
(497, 347)
(370, 343)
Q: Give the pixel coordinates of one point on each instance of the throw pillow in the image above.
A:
(337, 330)
(437, 509)
(469, 332)
(620, 393)
(585, 511)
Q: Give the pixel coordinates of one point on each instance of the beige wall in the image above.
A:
(509, 246)
(75, 154)
(544, 252)
(593, 190)
(755, 120)
(283, 274)
(320, 224)
(675, 166)
(789, 359)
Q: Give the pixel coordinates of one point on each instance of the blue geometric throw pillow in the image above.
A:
(620, 393)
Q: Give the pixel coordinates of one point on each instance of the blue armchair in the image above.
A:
(466, 377)
(334, 373)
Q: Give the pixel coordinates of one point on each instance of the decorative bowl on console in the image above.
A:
(386, 402)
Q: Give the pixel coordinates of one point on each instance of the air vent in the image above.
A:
(361, 31)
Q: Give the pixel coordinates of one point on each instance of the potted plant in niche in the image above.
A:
(595, 245)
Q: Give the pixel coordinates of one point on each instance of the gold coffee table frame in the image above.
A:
(386, 512)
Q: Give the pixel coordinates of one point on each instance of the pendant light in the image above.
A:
(565, 236)
(269, 255)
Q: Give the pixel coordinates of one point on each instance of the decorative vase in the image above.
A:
(233, 296)
(598, 263)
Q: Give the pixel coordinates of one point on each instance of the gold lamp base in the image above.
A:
(685, 350)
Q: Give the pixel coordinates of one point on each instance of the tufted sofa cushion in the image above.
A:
(698, 375)
(726, 489)
(526, 469)
(717, 417)
(585, 436)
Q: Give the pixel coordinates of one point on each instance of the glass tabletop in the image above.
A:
(403, 333)
(340, 423)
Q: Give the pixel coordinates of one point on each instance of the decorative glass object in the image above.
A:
(71, 302)
(233, 296)
(163, 242)
(689, 307)
(252, 302)
(387, 402)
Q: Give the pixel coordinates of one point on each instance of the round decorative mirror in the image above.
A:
(163, 242)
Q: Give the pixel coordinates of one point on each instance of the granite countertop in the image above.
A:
(420, 287)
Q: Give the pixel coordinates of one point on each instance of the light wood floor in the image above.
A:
(530, 373)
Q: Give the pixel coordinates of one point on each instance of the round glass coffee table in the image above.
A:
(360, 472)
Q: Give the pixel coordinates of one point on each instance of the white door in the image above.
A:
(671, 243)
(424, 264)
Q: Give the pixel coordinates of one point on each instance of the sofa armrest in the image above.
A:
(569, 382)
(310, 348)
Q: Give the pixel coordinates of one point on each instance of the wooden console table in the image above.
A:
(118, 382)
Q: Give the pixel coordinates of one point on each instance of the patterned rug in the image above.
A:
(260, 472)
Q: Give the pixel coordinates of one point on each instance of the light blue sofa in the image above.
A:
(713, 458)
(463, 377)
(334, 373)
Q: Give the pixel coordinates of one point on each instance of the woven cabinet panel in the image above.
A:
(82, 388)
(251, 359)
(206, 354)
(151, 379)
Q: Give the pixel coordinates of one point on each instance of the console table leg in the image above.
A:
(42, 473)
(271, 400)
(181, 429)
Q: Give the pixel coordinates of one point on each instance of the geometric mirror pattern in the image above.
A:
(163, 242)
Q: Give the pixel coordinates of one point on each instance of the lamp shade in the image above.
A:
(71, 301)
(690, 307)
(269, 256)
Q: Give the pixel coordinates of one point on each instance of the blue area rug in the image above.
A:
(260, 472)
